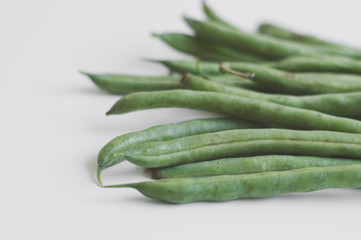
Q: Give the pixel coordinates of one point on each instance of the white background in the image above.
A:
(53, 123)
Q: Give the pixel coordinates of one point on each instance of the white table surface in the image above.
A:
(53, 123)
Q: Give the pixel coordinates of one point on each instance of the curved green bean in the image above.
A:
(242, 165)
(256, 185)
(300, 83)
(233, 143)
(112, 152)
(124, 84)
(206, 51)
(261, 45)
(235, 106)
(338, 104)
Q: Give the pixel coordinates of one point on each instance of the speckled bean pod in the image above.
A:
(256, 185)
(233, 143)
(235, 106)
(112, 152)
(242, 165)
(338, 104)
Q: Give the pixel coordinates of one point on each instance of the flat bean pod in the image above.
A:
(124, 84)
(300, 83)
(235, 106)
(256, 185)
(243, 165)
(261, 45)
(232, 143)
(338, 104)
(112, 152)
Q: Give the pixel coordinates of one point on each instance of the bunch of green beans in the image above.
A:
(291, 103)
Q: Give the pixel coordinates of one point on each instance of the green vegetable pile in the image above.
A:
(291, 104)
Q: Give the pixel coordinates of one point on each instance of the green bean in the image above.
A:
(242, 165)
(256, 185)
(299, 83)
(318, 64)
(278, 32)
(124, 84)
(338, 104)
(301, 64)
(186, 66)
(233, 143)
(282, 33)
(235, 106)
(112, 152)
(261, 45)
(190, 45)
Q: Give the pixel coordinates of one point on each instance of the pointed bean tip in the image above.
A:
(110, 111)
(187, 19)
(131, 185)
(152, 60)
(191, 21)
(85, 73)
(205, 5)
(98, 175)
(156, 35)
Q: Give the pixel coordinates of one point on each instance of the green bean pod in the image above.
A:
(124, 84)
(191, 66)
(256, 185)
(338, 104)
(282, 33)
(112, 152)
(206, 51)
(300, 83)
(301, 64)
(233, 143)
(259, 44)
(278, 32)
(235, 106)
(317, 64)
(243, 165)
